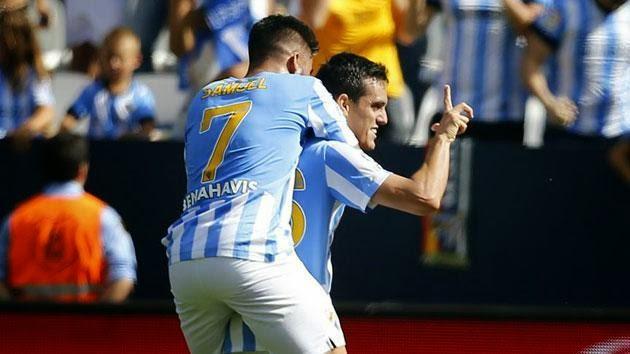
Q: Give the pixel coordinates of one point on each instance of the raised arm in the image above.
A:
(520, 14)
(314, 12)
(183, 19)
(560, 109)
(418, 18)
(422, 193)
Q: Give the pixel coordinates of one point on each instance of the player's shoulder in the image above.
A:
(292, 84)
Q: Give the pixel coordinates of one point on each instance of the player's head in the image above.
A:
(285, 41)
(360, 88)
(120, 54)
(65, 158)
(19, 50)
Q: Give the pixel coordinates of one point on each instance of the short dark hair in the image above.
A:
(62, 157)
(347, 72)
(266, 35)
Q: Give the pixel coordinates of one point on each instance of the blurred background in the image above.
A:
(529, 251)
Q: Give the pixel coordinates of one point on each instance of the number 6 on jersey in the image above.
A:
(236, 113)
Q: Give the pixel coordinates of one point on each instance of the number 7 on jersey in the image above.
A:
(236, 113)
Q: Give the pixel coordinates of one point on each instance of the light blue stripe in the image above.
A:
(457, 51)
(186, 242)
(479, 62)
(212, 242)
(245, 229)
(249, 341)
(227, 341)
(603, 108)
(580, 51)
(507, 74)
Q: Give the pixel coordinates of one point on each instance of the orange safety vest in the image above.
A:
(55, 249)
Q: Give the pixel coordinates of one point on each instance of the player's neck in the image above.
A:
(119, 86)
(268, 66)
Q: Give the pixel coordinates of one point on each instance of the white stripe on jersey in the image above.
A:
(200, 236)
(229, 226)
(347, 189)
(316, 122)
(236, 334)
(261, 225)
(360, 161)
(176, 237)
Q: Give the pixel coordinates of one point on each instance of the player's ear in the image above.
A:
(344, 103)
(293, 64)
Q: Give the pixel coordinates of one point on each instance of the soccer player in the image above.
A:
(587, 46)
(116, 104)
(331, 175)
(231, 250)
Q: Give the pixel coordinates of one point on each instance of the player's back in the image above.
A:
(242, 145)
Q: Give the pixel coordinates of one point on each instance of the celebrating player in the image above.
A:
(331, 175)
(231, 250)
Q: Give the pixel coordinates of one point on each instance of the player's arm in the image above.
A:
(80, 109)
(183, 20)
(121, 258)
(41, 119)
(314, 12)
(38, 123)
(419, 16)
(421, 194)
(520, 14)
(560, 109)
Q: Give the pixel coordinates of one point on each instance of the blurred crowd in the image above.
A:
(556, 71)
(571, 56)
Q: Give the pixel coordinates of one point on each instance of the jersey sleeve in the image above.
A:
(551, 24)
(145, 106)
(325, 117)
(81, 106)
(42, 93)
(119, 250)
(352, 176)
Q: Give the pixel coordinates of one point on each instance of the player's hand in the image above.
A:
(455, 119)
(562, 111)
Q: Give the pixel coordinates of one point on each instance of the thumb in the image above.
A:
(435, 127)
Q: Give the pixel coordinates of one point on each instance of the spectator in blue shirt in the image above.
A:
(26, 100)
(116, 104)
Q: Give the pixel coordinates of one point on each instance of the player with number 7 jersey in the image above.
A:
(243, 141)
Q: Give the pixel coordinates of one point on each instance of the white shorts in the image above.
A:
(287, 310)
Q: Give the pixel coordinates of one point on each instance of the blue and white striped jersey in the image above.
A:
(223, 43)
(17, 107)
(591, 64)
(483, 59)
(243, 140)
(330, 176)
(114, 115)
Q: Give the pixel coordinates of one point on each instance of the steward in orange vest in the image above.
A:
(64, 244)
